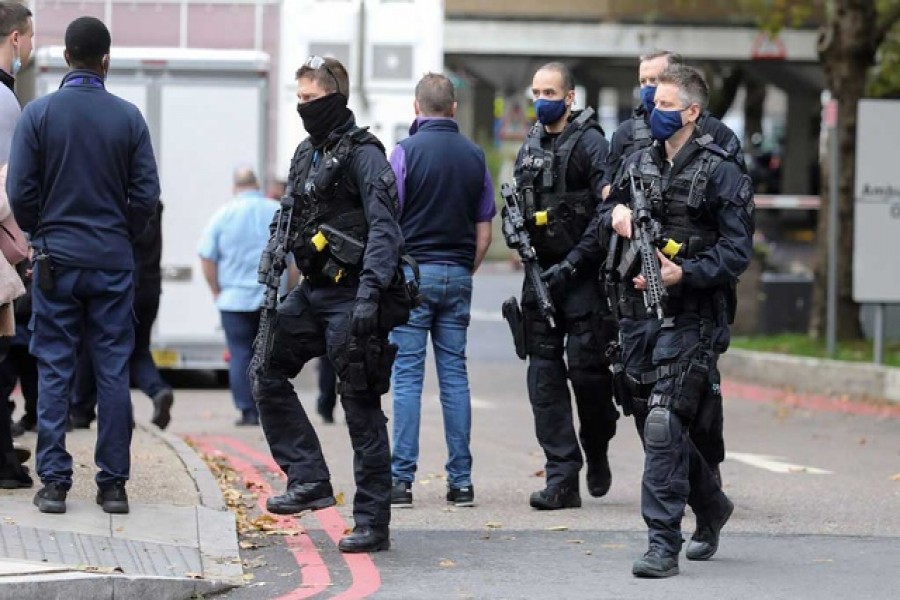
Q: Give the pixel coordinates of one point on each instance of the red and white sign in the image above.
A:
(767, 47)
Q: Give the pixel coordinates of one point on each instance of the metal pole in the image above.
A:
(879, 334)
(833, 235)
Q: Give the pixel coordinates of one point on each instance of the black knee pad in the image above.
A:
(657, 429)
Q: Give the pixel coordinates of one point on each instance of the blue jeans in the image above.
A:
(240, 331)
(93, 306)
(446, 302)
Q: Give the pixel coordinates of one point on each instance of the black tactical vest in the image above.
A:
(680, 204)
(556, 218)
(326, 196)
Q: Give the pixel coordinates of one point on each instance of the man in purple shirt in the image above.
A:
(446, 206)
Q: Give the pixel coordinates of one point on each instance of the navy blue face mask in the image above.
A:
(549, 111)
(665, 123)
(648, 93)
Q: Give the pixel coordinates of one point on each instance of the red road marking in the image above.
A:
(314, 576)
(818, 402)
(366, 578)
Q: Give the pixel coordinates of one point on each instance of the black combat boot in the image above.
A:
(555, 497)
(705, 541)
(302, 496)
(655, 563)
(366, 539)
(599, 476)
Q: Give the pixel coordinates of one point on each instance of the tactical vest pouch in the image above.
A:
(344, 253)
(691, 388)
(559, 227)
(365, 366)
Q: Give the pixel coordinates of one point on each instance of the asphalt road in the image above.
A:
(816, 491)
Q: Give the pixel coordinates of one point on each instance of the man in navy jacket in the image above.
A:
(83, 182)
(446, 206)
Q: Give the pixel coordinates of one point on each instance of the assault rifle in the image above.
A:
(646, 231)
(517, 238)
(272, 264)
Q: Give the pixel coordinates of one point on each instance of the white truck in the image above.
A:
(207, 114)
(386, 45)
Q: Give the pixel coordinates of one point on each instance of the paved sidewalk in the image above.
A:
(178, 541)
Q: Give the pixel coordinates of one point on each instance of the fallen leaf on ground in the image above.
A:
(540, 473)
(192, 575)
(450, 509)
(612, 546)
(256, 563)
(588, 552)
(558, 528)
(248, 545)
(493, 525)
(574, 541)
(446, 563)
(249, 576)
(9, 520)
(895, 477)
(339, 498)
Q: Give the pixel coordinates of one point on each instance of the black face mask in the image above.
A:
(323, 115)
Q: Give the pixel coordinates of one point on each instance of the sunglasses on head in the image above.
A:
(317, 62)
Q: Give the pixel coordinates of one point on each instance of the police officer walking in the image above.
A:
(702, 200)
(348, 249)
(559, 174)
(83, 181)
(633, 135)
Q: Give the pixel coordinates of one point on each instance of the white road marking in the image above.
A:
(774, 464)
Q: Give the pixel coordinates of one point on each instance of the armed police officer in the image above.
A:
(559, 174)
(633, 135)
(340, 209)
(702, 207)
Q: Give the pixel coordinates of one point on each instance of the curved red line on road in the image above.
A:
(366, 578)
(314, 576)
(818, 402)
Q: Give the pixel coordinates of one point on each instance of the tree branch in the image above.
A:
(890, 18)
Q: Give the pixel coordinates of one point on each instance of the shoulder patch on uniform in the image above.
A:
(745, 191)
(706, 142)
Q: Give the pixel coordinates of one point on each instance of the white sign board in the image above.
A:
(876, 232)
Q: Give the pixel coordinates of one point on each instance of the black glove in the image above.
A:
(364, 320)
(559, 274)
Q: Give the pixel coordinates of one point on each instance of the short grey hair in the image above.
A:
(672, 58)
(692, 87)
(245, 177)
(435, 95)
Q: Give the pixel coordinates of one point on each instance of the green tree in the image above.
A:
(855, 34)
(859, 50)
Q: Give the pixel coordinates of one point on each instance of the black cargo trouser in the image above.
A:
(313, 321)
(675, 473)
(582, 332)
